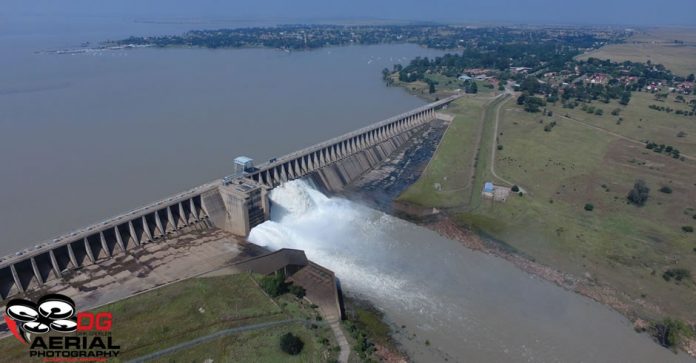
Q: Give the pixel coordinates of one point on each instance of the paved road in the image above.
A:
(207, 338)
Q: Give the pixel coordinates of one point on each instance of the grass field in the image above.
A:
(617, 244)
(445, 181)
(255, 346)
(639, 122)
(197, 307)
(656, 45)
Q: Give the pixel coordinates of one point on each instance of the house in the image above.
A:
(464, 77)
(519, 69)
(598, 78)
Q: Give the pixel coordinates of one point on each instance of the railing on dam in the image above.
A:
(199, 207)
(302, 162)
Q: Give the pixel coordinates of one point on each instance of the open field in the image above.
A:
(197, 307)
(254, 346)
(640, 123)
(656, 45)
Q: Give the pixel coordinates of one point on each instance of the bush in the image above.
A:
(589, 207)
(298, 291)
(639, 194)
(670, 332)
(677, 274)
(515, 188)
(500, 147)
(291, 344)
(274, 285)
(688, 229)
(666, 190)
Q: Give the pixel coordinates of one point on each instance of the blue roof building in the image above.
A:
(488, 187)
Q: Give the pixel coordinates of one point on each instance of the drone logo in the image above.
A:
(52, 312)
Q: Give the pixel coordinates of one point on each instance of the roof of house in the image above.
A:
(242, 160)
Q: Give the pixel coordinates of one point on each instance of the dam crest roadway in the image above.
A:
(234, 204)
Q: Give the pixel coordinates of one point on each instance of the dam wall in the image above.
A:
(334, 177)
(154, 223)
(234, 203)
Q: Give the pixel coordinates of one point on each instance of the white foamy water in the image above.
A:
(469, 305)
(345, 237)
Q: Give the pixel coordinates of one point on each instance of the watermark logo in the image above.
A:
(52, 313)
(55, 331)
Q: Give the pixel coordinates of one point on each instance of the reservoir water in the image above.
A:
(470, 306)
(87, 136)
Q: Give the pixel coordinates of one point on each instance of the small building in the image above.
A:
(242, 164)
(464, 77)
(488, 187)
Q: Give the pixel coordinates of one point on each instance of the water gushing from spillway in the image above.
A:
(471, 306)
(352, 240)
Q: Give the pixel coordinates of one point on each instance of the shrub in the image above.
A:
(670, 332)
(589, 207)
(688, 229)
(291, 344)
(677, 274)
(298, 291)
(500, 147)
(666, 190)
(515, 188)
(274, 285)
(639, 194)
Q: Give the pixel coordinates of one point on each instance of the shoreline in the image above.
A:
(442, 224)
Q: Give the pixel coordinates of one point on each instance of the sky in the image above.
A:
(619, 12)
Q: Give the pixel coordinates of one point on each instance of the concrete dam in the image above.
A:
(234, 204)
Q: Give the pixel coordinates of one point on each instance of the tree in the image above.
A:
(666, 190)
(533, 104)
(691, 78)
(625, 98)
(522, 99)
(431, 87)
(639, 194)
(589, 207)
(291, 344)
(616, 111)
